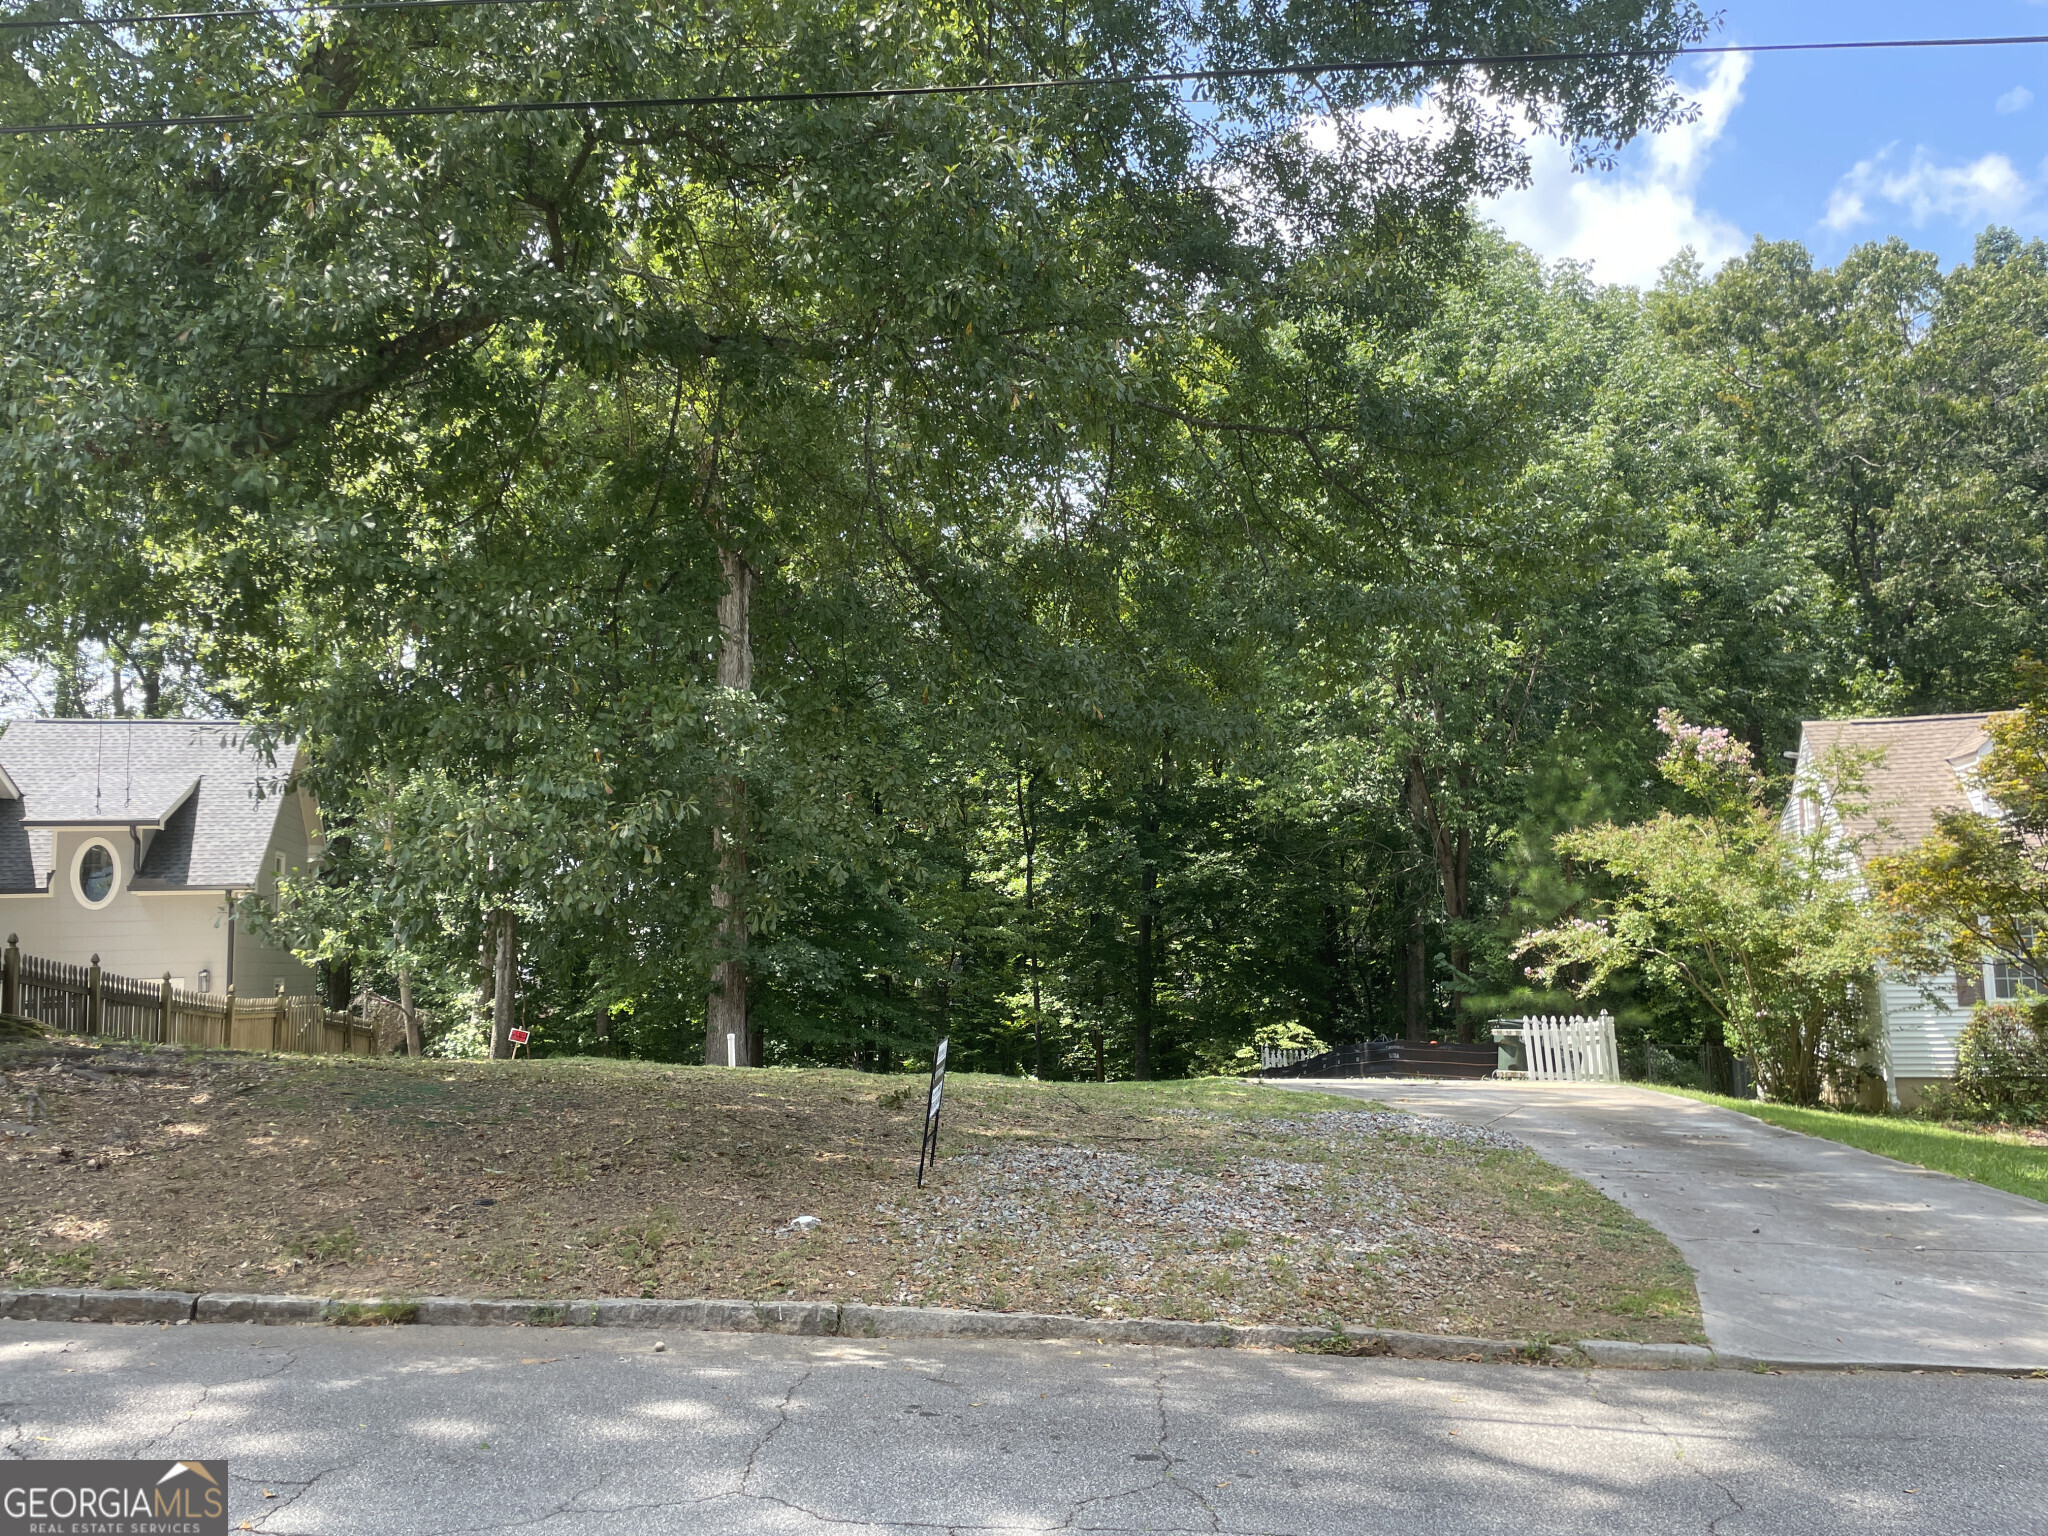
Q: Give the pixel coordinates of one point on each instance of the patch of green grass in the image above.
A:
(374, 1314)
(336, 1247)
(2012, 1166)
(30, 1266)
(1237, 1097)
(1655, 1301)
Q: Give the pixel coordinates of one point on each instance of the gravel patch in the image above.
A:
(1238, 1225)
(1339, 1125)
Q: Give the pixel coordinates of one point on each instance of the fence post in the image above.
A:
(163, 1011)
(92, 997)
(10, 976)
(277, 1018)
(230, 1001)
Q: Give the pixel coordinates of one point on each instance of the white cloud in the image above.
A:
(1988, 189)
(1627, 223)
(1623, 224)
(2018, 99)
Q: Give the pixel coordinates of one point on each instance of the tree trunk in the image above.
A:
(1148, 900)
(1141, 1046)
(1028, 824)
(726, 1011)
(487, 972)
(405, 1012)
(503, 926)
(406, 1017)
(1416, 977)
(1450, 850)
(1455, 909)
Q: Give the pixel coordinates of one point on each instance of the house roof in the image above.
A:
(213, 797)
(1921, 771)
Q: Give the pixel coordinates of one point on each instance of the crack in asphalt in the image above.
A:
(563, 1508)
(781, 1421)
(1164, 1480)
(1165, 1435)
(272, 1511)
(1642, 1417)
(206, 1392)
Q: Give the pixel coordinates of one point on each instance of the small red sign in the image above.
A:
(520, 1036)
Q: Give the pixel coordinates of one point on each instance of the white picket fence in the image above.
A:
(1285, 1056)
(1558, 1050)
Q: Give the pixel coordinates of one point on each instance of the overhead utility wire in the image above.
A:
(991, 87)
(144, 18)
(345, 7)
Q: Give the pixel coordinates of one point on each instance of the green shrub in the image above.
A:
(1287, 1035)
(2001, 1067)
(1668, 1067)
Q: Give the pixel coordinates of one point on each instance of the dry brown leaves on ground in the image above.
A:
(1218, 1200)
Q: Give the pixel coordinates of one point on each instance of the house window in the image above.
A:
(94, 875)
(2009, 981)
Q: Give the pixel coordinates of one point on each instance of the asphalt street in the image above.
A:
(546, 1432)
(1804, 1249)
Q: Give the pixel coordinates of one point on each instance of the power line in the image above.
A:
(146, 18)
(991, 87)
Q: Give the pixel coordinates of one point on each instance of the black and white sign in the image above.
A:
(928, 1154)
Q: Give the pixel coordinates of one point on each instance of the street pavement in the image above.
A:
(548, 1432)
(1805, 1250)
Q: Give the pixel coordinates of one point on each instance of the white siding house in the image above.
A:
(132, 840)
(1925, 767)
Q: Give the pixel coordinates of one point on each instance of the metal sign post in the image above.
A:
(928, 1154)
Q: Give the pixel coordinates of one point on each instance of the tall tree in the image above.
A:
(441, 437)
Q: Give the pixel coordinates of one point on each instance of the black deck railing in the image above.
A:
(1396, 1058)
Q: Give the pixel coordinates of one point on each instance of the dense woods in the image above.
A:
(1109, 575)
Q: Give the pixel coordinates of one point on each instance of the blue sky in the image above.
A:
(1831, 149)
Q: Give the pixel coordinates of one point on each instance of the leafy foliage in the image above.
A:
(2001, 1067)
(1764, 926)
(1197, 574)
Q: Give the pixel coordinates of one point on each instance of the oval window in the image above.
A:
(96, 875)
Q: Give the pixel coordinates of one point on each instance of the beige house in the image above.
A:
(1927, 766)
(133, 839)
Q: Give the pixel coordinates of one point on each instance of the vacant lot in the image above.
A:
(1212, 1200)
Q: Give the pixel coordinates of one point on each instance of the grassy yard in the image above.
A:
(2006, 1160)
(1217, 1200)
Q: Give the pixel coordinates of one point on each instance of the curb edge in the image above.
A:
(859, 1320)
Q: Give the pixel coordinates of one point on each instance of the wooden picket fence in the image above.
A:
(1563, 1050)
(85, 1000)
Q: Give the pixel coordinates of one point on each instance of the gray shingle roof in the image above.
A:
(216, 800)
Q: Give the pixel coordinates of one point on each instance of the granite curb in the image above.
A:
(859, 1320)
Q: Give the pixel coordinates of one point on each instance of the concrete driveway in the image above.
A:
(582, 1432)
(1806, 1250)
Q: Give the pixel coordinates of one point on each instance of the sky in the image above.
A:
(1829, 149)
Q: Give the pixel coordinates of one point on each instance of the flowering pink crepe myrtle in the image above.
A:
(1710, 744)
